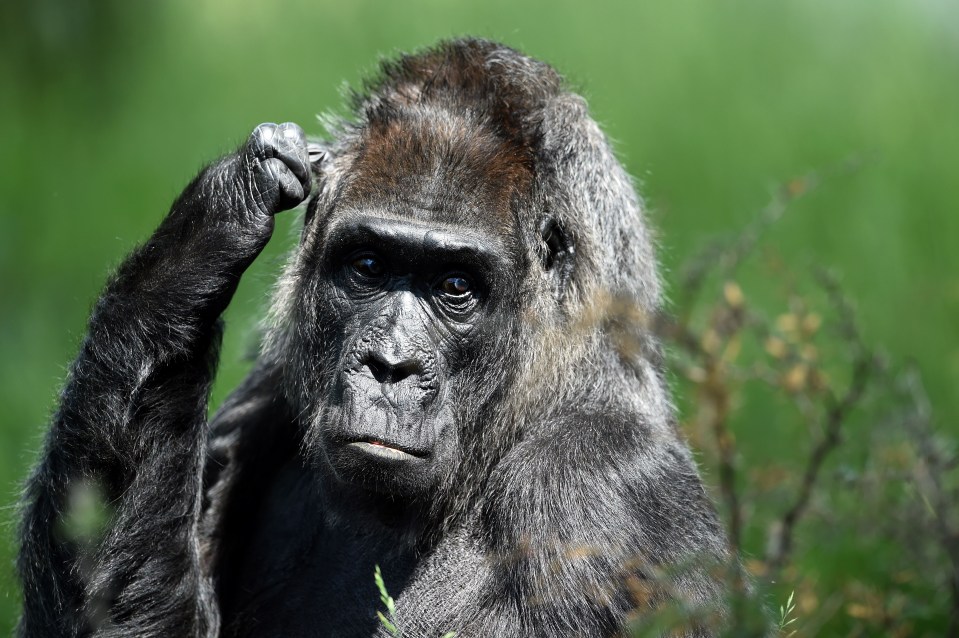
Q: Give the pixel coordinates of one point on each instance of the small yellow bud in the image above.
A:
(795, 378)
(787, 323)
(776, 347)
(733, 294)
(711, 341)
(733, 347)
(811, 323)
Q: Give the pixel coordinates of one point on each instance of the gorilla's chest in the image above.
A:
(304, 577)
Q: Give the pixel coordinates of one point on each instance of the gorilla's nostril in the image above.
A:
(405, 369)
(386, 371)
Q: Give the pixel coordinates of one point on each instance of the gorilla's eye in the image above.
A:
(368, 266)
(455, 286)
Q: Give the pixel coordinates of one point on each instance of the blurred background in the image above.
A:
(109, 107)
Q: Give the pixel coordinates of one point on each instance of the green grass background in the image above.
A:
(108, 108)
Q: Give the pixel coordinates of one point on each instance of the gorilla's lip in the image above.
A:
(387, 450)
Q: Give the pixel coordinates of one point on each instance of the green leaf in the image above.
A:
(384, 595)
(390, 627)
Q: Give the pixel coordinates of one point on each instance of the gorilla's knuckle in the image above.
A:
(264, 131)
(292, 133)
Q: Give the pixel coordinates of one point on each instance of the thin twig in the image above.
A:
(929, 475)
(836, 415)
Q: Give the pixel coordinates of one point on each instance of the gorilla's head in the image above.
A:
(437, 305)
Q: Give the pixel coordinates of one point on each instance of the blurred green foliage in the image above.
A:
(109, 107)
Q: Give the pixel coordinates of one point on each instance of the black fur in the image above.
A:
(507, 455)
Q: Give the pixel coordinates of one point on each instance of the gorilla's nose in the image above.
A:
(391, 367)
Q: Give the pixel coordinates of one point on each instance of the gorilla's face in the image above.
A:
(408, 313)
(414, 308)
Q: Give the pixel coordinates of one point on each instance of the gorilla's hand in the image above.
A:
(222, 221)
(229, 207)
(276, 167)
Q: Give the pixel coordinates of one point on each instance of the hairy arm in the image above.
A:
(604, 518)
(130, 430)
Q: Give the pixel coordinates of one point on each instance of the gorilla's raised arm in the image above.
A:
(131, 426)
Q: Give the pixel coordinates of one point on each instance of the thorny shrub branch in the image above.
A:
(709, 352)
(707, 337)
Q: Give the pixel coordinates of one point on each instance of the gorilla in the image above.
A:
(445, 389)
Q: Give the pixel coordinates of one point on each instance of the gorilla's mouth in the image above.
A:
(388, 450)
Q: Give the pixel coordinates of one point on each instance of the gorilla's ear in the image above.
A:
(316, 151)
(558, 255)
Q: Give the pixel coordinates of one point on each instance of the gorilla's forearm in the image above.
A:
(168, 294)
(131, 426)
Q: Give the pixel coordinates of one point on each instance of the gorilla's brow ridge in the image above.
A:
(415, 240)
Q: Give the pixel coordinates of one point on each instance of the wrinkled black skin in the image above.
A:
(268, 520)
(401, 345)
